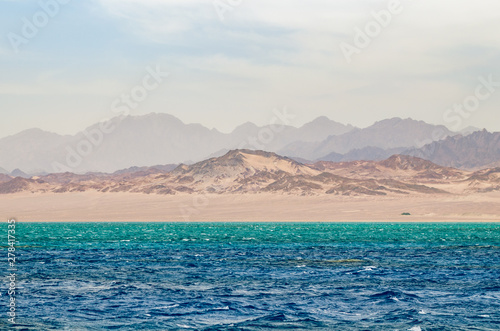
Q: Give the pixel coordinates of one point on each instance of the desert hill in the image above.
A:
(249, 171)
(398, 167)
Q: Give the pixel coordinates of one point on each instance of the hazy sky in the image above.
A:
(232, 61)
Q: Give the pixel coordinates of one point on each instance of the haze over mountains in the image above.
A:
(386, 134)
(162, 139)
(145, 141)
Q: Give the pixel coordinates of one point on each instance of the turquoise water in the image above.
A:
(257, 276)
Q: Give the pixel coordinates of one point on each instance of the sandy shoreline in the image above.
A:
(136, 207)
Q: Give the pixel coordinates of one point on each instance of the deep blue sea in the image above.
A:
(255, 276)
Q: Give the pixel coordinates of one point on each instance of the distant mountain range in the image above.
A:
(254, 172)
(162, 139)
(146, 141)
(387, 134)
(477, 150)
